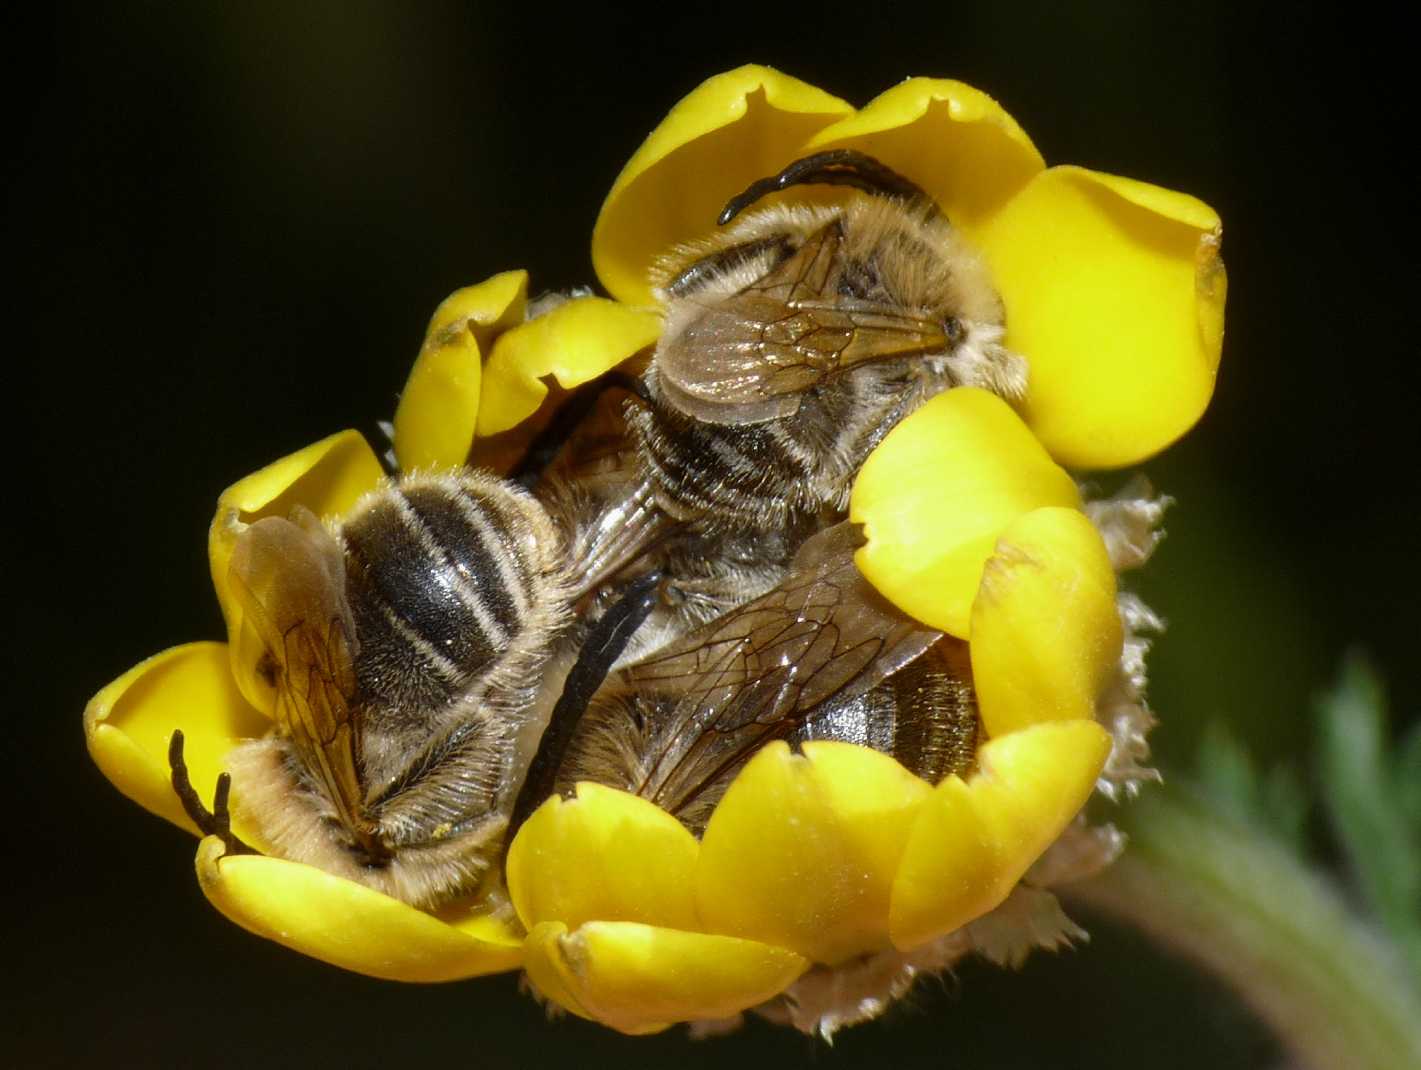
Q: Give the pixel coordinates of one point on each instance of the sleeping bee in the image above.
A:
(793, 343)
(406, 651)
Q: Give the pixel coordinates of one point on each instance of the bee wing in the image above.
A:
(758, 673)
(290, 580)
(747, 357)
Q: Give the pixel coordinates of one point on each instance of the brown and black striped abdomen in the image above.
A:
(440, 588)
(722, 476)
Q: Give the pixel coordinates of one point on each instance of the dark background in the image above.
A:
(233, 222)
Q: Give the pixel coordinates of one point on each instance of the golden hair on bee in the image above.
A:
(899, 254)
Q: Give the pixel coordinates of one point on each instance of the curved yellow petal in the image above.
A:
(936, 493)
(574, 343)
(954, 141)
(1045, 629)
(803, 849)
(347, 924)
(641, 978)
(129, 723)
(974, 838)
(603, 855)
(730, 130)
(327, 477)
(471, 916)
(439, 406)
(1114, 292)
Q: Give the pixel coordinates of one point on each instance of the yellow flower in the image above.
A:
(1114, 289)
(1114, 294)
(215, 695)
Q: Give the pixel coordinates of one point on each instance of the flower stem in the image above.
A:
(1234, 900)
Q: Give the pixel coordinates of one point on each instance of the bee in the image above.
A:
(794, 341)
(407, 649)
(821, 656)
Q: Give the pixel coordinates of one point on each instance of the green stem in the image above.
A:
(1234, 901)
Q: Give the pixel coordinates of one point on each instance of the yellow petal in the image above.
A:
(1114, 292)
(731, 130)
(954, 141)
(471, 917)
(347, 924)
(802, 850)
(936, 493)
(1045, 629)
(574, 343)
(974, 839)
(128, 725)
(603, 855)
(439, 406)
(641, 978)
(327, 477)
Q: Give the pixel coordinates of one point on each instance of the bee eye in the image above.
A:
(954, 330)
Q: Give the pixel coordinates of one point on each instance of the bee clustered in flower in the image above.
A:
(828, 878)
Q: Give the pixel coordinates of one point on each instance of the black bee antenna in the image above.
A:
(836, 167)
(603, 646)
(214, 822)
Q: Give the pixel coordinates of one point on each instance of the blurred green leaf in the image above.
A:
(1218, 868)
(1227, 894)
(1371, 802)
(1274, 803)
(1371, 799)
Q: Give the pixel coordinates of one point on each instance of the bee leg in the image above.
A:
(604, 645)
(550, 440)
(214, 822)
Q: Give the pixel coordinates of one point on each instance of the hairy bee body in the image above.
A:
(821, 328)
(408, 702)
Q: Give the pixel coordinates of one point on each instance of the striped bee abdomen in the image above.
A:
(924, 715)
(719, 475)
(439, 585)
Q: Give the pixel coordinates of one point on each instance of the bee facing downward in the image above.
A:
(405, 650)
